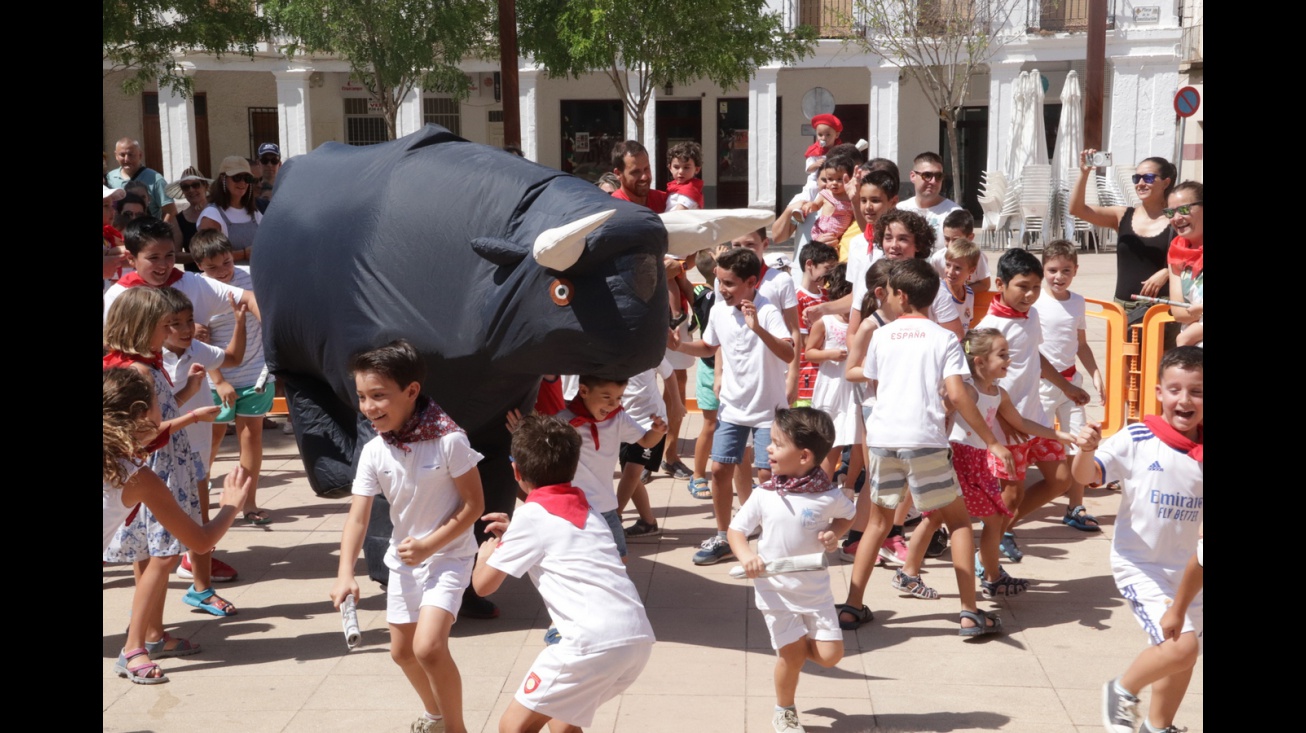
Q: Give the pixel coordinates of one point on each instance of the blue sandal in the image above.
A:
(209, 601)
(699, 488)
(1080, 519)
(184, 647)
(982, 626)
(1009, 548)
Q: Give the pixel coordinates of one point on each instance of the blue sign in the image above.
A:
(1186, 101)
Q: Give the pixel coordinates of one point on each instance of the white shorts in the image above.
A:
(439, 583)
(786, 626)
(570, 687)
(1070, 417)
(1150, 602)
(676, 359)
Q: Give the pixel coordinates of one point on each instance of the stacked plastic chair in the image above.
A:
(1035, 200)
(993, 192)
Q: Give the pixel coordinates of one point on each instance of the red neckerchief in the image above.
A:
(1173, 438)
(119, 359)
(584, 416)
(549, 399)
(563, 501)
(870, 238)
(113, 235)
(1184, 255)
(1000, 309)
(814, 482)
(762, 273)
(135, 280)
(428, 422)
(815, 150)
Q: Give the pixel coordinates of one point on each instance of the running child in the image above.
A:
(1159, 465)
(132, 418)
(799, 512)
(707, 372)
(567, 548)
(423, 464)
(685, 189)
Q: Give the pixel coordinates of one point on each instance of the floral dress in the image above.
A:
(180, 469)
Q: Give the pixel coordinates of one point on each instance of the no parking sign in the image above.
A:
(1186, 102)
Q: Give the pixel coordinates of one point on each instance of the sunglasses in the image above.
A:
(270, 161)
(1148, 178)
(1184, 210)
(190, 185)
(929, 175)
(242, 178)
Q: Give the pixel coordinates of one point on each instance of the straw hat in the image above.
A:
(190, 174)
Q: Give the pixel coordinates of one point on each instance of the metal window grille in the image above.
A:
(442, 111)
(363, 127)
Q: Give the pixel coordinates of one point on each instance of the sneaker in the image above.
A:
(475, 606)
(1010, 548)
(713, 550)
(642, 531)
(914, 517)
(848, 553)
(1147, 728)
(894, 551)
(677, 470)
(1005, 585)
(938, 544)
(1119, 709)
(220, 572)
(786, 721)
(287, 428)
(426, 725)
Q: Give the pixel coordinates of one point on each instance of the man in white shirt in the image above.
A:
(927, 177)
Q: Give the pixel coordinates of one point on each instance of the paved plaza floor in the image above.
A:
(281, 664)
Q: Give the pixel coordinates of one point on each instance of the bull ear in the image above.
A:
(499, 251)
(690, 230)
(560, 247)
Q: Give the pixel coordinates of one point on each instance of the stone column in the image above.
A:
(409, 119)
(1002, 80)
(528, 99)
(884, 113)
(1141, 117)
(176, 129)
(293, 123)
(761, 139)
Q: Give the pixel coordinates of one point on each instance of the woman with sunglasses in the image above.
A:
(194, 189)
(1185, 259)
(232, 211)
(1144, 232)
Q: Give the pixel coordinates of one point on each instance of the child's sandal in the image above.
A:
(860, 616)
(183, 647)
(145, 673)
(986, 622)
(913, 585)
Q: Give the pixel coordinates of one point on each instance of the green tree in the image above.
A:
(941, 44)
(644, 44)
(392, 45)
(145, 36)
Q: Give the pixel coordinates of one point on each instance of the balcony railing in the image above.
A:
(1065, 16)
(1191, 44)
(830, 18)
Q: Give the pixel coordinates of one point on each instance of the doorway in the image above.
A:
(732, 152)
(678, 122)
(589, 130)
(972, 145)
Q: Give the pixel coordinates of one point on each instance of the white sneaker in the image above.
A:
(426, 725)
(786, 721)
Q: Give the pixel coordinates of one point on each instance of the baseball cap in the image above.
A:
(266, 148)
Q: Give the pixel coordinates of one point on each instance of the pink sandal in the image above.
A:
(145, 673)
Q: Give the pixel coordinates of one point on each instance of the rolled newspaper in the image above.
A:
(349, 621)
(795, 564)
(261, 383)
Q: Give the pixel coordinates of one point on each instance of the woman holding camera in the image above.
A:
(1144, 231)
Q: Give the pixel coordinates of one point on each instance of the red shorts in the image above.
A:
(979, 488)
(1036, 450)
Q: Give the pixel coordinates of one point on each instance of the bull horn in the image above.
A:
(690, 230)
(560, 247)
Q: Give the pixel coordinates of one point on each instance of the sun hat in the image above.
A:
(234, 164)
(190, 174)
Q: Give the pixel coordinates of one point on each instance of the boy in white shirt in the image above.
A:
(1061, 314)
(961, 225)
(906, 437)
(799, 512)
(927, 178)
(754, 346)
(644, 403)
(778, 287)
(1159, 465)
(568, 550)
(1019, 282)
(960, 258)
(425, 466)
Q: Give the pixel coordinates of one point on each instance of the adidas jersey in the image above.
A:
(1160, 515)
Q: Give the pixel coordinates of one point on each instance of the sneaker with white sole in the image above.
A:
(219, 571)
(713, 550)
(426, 725)
(786, 721)
(848, 553)
(894, 550)
(642, 531)
(1119, 709)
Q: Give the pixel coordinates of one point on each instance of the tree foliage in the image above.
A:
(941, 44)
(144, 36)
(392, 45)
(643, 44)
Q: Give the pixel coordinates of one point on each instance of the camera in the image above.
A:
(1101, 160)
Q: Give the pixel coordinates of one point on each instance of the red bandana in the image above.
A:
(583, 417)
(1173, 438)
(428, 422)
(135, 280)
(113, 235)
(1002, 310)
(119, 359)
(1183, 255)
(814, 482)
(561, 500)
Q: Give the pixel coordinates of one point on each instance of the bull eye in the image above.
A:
(561, 291)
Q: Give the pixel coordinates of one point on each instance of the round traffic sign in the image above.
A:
(1186, 101)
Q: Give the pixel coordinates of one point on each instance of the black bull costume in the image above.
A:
(497, 269)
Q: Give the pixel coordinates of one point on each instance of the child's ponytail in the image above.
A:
(128, 396)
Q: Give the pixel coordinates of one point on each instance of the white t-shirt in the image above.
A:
(419, 486)
(790, 523)
(944, 308)
(965, 307)
(579, 575)
(934, 215)
(1061, 321)
(177, 365)
(988, 407)
(1026, 371)
(114, 512)
(223, 325)
(939, 258)
(859, 261)
(237, 215)
(778, 287)
(752, 378)
(643, 399)
(910, 357)
(1160, 506)
(597, 462)
(209, 297)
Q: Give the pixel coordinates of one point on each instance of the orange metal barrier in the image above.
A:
(1152, 333)
(1118, 354)
(279, 407)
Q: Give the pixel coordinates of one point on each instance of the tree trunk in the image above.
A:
(958, 186)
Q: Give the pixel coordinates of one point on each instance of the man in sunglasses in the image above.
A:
(927, 177)
(130, 168)
(269, 156)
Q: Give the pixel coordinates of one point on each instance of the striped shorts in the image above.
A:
(926, 472)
